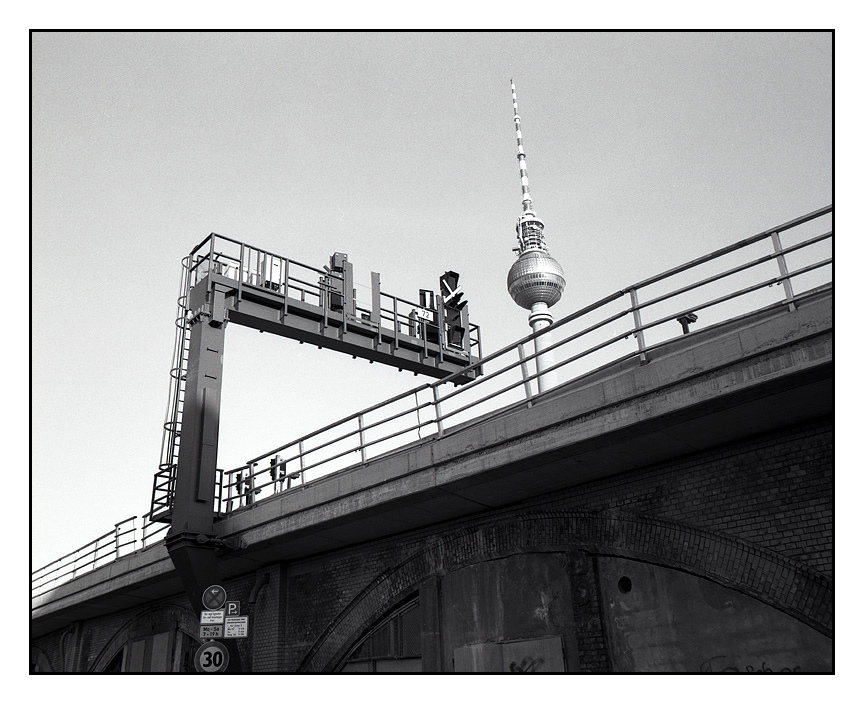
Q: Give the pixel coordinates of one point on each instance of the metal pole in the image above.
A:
(526, 374)
(210, 271)
(285, 289)
(362, 438)
(638, 326)
(782, 266)
(395, 326)
(250, 488)
(117, 540)
(240, 277)
(229, 501)
(438, 408)
(302, 466)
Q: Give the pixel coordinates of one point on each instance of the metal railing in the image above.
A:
(127, 537)
(252, 267)
(632, 324)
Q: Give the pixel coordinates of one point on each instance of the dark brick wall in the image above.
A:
(593, 656)
(774, 492)
(317, 591)
(267, 619)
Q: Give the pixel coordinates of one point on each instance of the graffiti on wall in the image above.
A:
(716, 664)
(527, 665)
(543, 655)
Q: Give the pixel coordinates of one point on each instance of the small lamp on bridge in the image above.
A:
(686, 320)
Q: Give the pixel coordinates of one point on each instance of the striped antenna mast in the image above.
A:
(521, 156)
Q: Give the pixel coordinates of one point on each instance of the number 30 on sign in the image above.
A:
(211, 657)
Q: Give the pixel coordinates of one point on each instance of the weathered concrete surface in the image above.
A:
(762, 372)
(524, 598)
(662, 620)
(124, 583)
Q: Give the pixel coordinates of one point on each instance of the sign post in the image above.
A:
(220, 619)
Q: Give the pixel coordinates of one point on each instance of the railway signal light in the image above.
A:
(456, 315)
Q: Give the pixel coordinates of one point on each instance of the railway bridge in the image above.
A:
(669, 509)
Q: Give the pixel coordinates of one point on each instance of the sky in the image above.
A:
(644, 150)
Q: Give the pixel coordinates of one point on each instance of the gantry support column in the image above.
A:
(191, 542)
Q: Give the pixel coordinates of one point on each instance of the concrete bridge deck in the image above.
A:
(761, 372)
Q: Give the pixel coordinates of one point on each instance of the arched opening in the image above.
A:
(39, 661)
(159, 640)
(722, 559)
(392, 645)
(116, 664)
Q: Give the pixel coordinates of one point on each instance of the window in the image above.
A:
(163, 652)
(392, 646)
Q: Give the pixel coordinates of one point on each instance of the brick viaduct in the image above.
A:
(670, 516)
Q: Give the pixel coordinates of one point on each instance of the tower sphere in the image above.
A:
(535, 278)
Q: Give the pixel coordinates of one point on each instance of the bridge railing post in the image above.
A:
(438, 408)
(782, 267)
(302, 464)
(638, 326)
(229, 499)
(362, 437)
(218, 489)
(250, 485)
(524, 369)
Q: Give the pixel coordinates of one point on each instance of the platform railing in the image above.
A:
(255, 267)
(774, 270)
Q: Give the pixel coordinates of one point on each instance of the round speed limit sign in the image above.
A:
(211, 657)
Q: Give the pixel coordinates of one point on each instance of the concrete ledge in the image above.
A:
(697, 370)
(128, 576)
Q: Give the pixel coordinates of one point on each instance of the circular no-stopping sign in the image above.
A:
(214, 597)
(211, 657)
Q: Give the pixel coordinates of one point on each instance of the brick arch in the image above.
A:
(187, 622)
(780, 582)
(40, 658)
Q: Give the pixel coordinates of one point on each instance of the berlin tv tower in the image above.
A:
(535, 281)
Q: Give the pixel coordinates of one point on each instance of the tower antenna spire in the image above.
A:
(521, 155)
